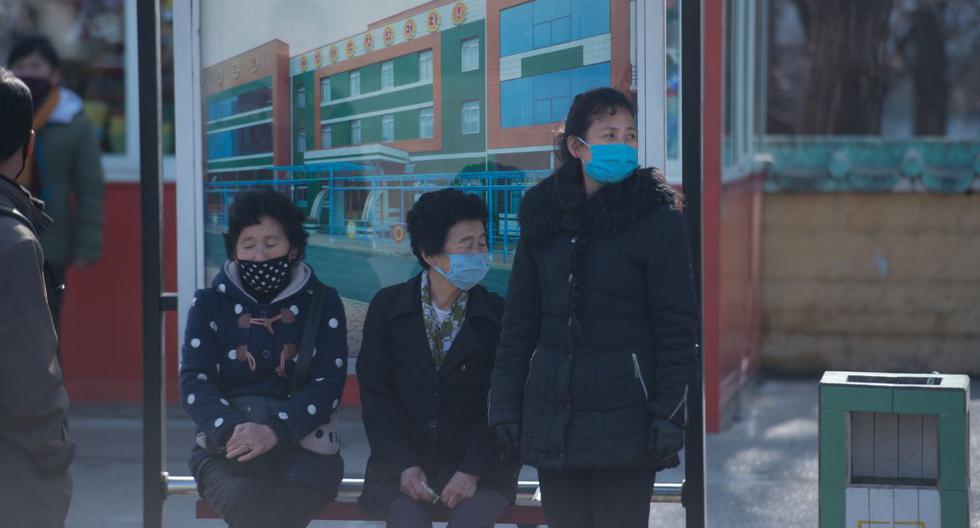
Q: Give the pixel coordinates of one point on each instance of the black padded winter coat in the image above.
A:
(600, 325)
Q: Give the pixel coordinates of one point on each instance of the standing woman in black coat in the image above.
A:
(597, 350)
(424, 372)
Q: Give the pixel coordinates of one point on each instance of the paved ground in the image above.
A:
(762, 471)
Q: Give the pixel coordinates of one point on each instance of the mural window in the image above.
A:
(239, 141)
(355, 83)
(471, 117)
(387, 74)
(325, 95)
(326, 137)
(425, 66)
(301, 141)
(544, 23)
(301, 97)
(388, 127)
(470, 52)
(546, 98)
(355, 132)
(425, 123)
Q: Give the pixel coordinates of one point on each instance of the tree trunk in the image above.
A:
(847, 76)
(928, 61)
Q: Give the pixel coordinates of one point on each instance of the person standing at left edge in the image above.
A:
(35, 449)
(65, 169)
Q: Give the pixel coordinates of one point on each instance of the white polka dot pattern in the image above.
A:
(218, 422)
(224, 401)
(238, 308)
(190, 399)
(333, 322)
(231, 354)
(311, 409)
(294, 309)
(195, 343)
(339, 362)
(202, 376)
(336, 403)
(283, 416)
(221, 287)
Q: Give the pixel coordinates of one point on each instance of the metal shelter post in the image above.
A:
(154, 302)
(691, 169)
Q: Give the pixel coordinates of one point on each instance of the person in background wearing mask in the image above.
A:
(598, 346)
(66, 168)
(424, 370)
(35, 450)
(261, 372)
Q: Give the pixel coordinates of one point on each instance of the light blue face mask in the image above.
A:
(466, 269)
(611, 163)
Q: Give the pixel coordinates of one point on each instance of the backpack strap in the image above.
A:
(308, 340)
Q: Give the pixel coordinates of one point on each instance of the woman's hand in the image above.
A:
(250, 440)
(414, 485)
(461, 487)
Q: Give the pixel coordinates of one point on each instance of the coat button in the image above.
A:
(266, 354)
(436, 394)
(574, 239)
(463, 368)
(433, 423)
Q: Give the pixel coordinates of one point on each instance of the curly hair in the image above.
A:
(435, 213)
(250, 206)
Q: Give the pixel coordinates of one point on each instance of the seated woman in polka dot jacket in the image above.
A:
(243, 340)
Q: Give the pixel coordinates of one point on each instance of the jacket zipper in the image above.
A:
(639, 376)
(530, 362)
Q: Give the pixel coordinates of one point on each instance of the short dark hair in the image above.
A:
(435, 213)
(16, 114)
(250, 206)
(34, 44)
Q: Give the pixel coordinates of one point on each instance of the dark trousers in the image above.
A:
(246, 501)
(479, 511)
(597, 498)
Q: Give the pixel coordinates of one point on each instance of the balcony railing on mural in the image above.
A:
(865, 164)
(354, 206)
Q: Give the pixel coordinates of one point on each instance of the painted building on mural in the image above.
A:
(246, 117)
(452, 93)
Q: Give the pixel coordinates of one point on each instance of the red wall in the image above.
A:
(739, 300)
(101, 323)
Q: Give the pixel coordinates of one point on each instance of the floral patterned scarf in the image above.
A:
(441, 335)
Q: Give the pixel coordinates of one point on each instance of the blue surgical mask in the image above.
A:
(466, 269)
(611, 163)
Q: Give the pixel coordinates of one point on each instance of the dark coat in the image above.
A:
(69, 159)
(600, 327)
(35, 448)
(415, 415)
(215, 369)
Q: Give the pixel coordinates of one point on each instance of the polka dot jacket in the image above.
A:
(234, 346)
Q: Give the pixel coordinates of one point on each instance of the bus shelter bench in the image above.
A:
(526, 512)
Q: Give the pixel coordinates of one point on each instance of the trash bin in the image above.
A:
(894, 450)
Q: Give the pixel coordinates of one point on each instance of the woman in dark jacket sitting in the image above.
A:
(424, 371)
(258, 460)
(597, 349)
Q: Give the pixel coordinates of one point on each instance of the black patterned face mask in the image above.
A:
(267, 279)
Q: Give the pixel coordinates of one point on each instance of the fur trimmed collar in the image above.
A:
(557, 204)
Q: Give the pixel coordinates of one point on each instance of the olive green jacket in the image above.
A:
(70, 163)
